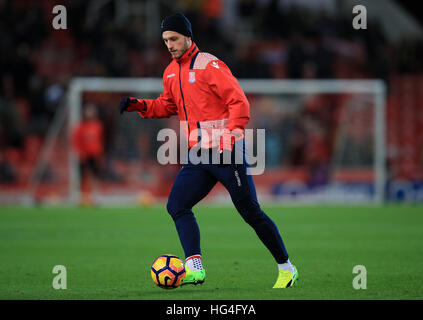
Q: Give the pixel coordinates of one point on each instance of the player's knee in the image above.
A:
(171, 207)
(250, 211)
(175, 209)
(255, 218)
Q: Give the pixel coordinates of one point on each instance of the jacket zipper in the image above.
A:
(183, 101)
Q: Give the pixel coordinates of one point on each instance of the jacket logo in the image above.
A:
(191, 77)
(171, 75)
(214, 64)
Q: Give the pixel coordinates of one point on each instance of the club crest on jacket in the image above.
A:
(191, 77)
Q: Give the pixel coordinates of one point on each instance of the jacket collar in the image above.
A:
(188, 54)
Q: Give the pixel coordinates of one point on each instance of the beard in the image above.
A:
(176, 54)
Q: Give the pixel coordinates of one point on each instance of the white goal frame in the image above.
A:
(250, 86)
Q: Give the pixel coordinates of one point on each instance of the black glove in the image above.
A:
(124, 104)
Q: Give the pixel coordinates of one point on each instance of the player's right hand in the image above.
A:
(125, 103)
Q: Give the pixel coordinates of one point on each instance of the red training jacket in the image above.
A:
(201, 90)
(88, 140)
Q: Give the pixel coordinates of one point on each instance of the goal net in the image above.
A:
(324, 143)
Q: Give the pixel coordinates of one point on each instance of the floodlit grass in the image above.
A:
(108, 253)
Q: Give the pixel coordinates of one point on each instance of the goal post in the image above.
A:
(82, 84)
(368, 97)
(375, 86)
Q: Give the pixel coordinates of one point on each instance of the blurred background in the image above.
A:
(313, 142)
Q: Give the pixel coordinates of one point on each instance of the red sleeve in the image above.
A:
(226, 86)
(162, 107)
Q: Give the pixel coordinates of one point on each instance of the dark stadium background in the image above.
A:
(37, 63)
(108, 251)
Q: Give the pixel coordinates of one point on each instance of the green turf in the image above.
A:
(108, 253)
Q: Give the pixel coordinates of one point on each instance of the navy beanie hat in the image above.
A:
(177, 22)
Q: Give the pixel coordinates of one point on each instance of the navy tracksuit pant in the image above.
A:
(195, 181)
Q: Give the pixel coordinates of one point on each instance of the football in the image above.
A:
(168, 271)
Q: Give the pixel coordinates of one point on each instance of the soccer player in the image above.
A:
(201, 90)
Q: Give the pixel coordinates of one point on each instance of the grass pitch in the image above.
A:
(108, 253)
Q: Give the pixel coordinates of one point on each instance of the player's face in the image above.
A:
(176, 43)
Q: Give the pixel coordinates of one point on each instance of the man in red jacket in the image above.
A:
(201, 90)
(88, 142)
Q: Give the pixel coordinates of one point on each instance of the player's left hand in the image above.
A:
(125, 103)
